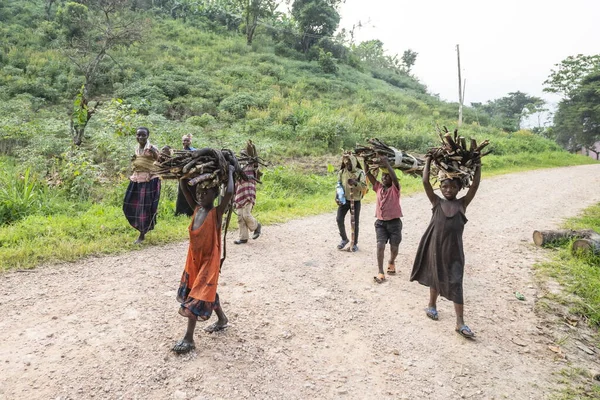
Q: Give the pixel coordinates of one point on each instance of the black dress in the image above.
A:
(440, 259)
(182, 206)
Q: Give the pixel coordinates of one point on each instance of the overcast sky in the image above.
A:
(505, 46)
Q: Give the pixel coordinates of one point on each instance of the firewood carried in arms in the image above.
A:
(454, 158)
(400, 160)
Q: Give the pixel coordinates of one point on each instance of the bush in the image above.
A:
(327, 62)
(21, 195)
(239, 103)
(204, 120)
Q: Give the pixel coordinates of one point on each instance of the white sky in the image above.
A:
(505, 46)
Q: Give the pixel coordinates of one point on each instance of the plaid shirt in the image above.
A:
(246, 190)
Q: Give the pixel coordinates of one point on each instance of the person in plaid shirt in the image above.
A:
(245, 198)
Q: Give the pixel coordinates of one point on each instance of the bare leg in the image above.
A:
(433, 295)
(393, 253)
(221, 315)
(380, 255)
(189, 333)
(187, 344)
(221, 322)
(458, 309)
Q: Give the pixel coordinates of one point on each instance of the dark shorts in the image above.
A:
(389, 231)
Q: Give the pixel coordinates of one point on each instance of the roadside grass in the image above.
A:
(579, 277)
(576, 385)
(290, 192)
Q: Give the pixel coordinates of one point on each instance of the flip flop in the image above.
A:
(431, 313)
(380, 278)
(182, 347)
(465, 332)
(215, 327)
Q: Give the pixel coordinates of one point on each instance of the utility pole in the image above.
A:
(460, 90)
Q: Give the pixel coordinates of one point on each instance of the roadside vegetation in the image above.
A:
(579, 277)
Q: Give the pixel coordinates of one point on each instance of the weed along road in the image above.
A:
(306, 320)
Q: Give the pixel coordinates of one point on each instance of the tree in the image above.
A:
(90, 32)
(508, 112)
(372, 53)
(577, 120)
(570, 72)
(252, 11)
(316, 19)
(409, 58)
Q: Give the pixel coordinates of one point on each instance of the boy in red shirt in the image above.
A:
(388, 226)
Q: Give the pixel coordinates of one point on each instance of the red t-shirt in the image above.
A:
(388, 202)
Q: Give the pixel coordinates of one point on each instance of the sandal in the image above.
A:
(182, 347)
(391, 269)
(465, 332)
(216, 327)
(380, 278)
(431, 313)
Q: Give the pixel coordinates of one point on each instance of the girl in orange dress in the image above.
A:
(198, 289)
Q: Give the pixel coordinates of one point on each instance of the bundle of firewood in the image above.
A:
(398, 159)
(250, 156)
(454, 159)
(206, 167)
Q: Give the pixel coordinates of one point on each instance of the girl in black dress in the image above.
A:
(440, 259)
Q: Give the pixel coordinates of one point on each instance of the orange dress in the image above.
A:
(198, 288)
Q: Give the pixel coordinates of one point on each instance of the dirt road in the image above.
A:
(307, 321)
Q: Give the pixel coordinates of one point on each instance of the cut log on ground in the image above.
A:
(587, 246)
(541, 238)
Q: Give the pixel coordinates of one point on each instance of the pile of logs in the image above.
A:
(206, 167)
(454, 158)
(585, 240)
(398, 159)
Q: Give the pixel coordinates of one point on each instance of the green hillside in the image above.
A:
(192, 71)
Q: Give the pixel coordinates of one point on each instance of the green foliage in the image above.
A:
(21, 194)
(577, 120)
(327, 62)
(316, 18)
(78, 174)
(569, 73)
(238, 104)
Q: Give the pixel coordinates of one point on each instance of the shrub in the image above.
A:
(238, 104)
(327, 62)
(203, 120)
(21, 194)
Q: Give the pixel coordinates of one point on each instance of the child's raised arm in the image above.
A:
(187, 193)
(474, 186)
(433, 198)
(391, 172)
(370, 176)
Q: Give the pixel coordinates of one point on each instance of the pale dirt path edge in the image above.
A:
(307, 321)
